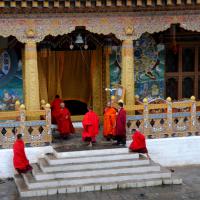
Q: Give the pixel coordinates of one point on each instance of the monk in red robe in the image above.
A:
(20, 162)
(91, 126)
(121, 125)
(65, 126)
(138, 144)
(109, 122)
(55, 109)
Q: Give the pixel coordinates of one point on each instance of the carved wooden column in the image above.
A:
(128, 71)
(32, 100)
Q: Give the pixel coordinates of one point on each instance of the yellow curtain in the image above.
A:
(66, 73)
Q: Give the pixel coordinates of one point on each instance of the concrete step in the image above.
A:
(53, 160)
(39, 175)
(25, 192)
(46, 167)
(88, 153)
(32, 183)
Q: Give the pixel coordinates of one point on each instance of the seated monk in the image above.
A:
(55, 109)
(21, 163)
(90, 126)
(138, 144)
(65, 126)
(109, 122)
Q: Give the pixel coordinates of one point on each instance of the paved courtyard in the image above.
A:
(189, 190)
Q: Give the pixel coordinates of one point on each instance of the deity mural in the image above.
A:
(11, 83)
(149, 59)
(115, 68)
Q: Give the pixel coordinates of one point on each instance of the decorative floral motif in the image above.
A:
(43, 25)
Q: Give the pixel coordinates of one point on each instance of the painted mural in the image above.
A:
(149, 59)
(115, 65)
(11, 82)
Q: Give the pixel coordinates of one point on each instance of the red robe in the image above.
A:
(55, 109)
(138, 144)
(109, 121)
(65, 125)
(20, 161)
(121, 123)
(90, 126)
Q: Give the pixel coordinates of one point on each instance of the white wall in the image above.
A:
(175, 151)
(6, 158)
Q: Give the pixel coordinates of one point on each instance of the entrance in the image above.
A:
(73, 66)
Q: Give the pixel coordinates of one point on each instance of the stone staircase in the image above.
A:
(91, 170)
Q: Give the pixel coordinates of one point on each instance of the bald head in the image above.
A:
(62, 105)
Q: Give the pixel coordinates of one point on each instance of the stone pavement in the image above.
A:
(189, 190)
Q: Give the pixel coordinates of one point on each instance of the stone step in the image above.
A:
(32, 183)
(25, 192)
(53, 160)
(87, 153)
(46, 167)
(39, 175)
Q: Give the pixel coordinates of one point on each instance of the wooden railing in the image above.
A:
(166, 119)
(35, 126)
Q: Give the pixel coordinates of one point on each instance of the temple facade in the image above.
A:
(148, 47)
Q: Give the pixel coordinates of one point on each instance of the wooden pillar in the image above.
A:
(32, 100)
(128, 71)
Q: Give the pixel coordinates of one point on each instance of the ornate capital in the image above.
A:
(30, 33)
(129, 31)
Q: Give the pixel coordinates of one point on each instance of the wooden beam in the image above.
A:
(23, 4)
(88, 3)
(159, 2)
(35, 4)
(108, 3)
(188, 1)
(13, 4)
(98, 3)
(2, 4)
(45, 4)
(169, 2)
(149, 2)
(119, 2)
(56, 4)
(129, 2)
(139, 2)
(67, 3)
(178, 2)
(78, 3)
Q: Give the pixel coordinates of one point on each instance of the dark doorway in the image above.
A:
(76, 107)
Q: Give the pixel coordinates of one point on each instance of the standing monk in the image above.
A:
(138, 144)
(121, 125)
(90, 126)
(65, 126)
(55, 108)
(20, 162)
(109, 122)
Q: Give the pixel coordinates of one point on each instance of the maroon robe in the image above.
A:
(55, 109)
(20, 162)
(90, 125)
(121, 123)
(138, 144)
(65, 125)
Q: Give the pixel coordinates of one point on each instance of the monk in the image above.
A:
(65, 126)
(55, 108)
(109, 122)
(20, 161)
(121, 125)
(138, 144)
(90, 126)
